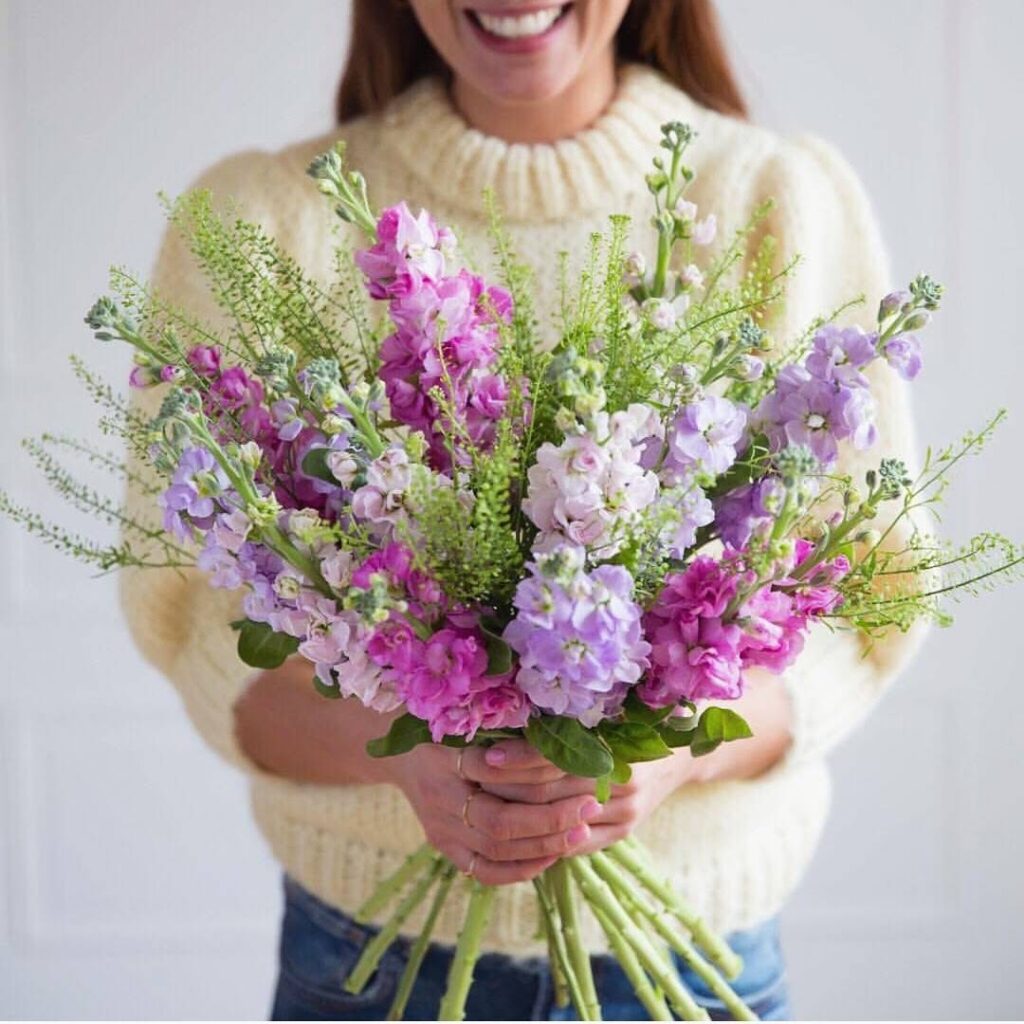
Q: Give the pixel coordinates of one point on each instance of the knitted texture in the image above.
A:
(737, 848)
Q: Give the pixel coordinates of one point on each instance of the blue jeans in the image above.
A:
(320, 945)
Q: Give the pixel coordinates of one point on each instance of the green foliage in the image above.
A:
(705, 733)
(406, 732)
(268, 298)
(570, 745)
(259, 646)
(630, 742)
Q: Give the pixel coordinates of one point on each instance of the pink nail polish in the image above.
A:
(495, 757)
(590, 811)
(578, 834)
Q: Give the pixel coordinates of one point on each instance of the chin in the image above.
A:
(524, 85)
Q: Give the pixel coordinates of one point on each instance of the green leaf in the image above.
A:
(499, 655)
(634, 741)
(260, 647)
(622, 772)
(603, 789)
(637, 711)
(717, 725)
(315, 465)
(330, 692)
(407, 731)
(570, 746)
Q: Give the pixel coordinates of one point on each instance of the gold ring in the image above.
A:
(458, 764)
(472, 866)
(465, 807)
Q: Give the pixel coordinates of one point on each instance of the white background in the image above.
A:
(133, 883)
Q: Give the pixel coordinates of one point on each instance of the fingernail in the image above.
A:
(495, 756)
(590, 810)
(577, 835)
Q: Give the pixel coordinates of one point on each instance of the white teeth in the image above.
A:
(520, 26)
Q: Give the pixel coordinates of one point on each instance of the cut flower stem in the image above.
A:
(641, 916)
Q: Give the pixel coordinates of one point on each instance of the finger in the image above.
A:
(476, 768)
(541, 792)
(559, 844)
(489, 872)
(602, 836)
(501, 820)
(616, 810)
(515, 754)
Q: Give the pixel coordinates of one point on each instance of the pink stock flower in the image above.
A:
(702, 591)
(693, 660)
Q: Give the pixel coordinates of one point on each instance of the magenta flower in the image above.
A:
(695, 659)
(204, 360)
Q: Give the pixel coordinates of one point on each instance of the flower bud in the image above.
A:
(250, 454)
(660, 314)
(692, 276)
(892, 303)
(633, 269)
(749, 368)
(333, 424)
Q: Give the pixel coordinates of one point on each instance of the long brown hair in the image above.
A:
(388, 51)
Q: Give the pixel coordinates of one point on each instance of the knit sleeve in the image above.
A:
(179, 623)
(824, 214)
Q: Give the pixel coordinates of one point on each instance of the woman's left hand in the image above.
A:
(629, 804)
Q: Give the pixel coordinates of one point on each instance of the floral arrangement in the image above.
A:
(587, 543)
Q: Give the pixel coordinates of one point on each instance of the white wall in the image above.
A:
(133, 881)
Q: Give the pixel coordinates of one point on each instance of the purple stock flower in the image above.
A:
(188, 502)
(840, 353)
(740, 512)
(903, 354)
(579, 640)
(703, 437)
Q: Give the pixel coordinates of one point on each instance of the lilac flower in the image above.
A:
(903, 354)
(188, 503)
(693, 509)
(740, 512)
(578, 638)
(287, 419)
(749, 367)
(839, 354)
(703, 437)
(381, 500)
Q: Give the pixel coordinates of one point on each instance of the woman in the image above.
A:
(556, 108)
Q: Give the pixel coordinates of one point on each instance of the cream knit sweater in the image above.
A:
(737, 848)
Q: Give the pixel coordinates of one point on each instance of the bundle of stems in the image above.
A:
(643, 918)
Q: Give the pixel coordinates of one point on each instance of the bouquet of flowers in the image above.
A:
(586, 542)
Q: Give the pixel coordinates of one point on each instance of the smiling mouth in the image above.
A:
(528, 25)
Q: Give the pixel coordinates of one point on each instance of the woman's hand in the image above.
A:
(629, 804)
(766, 708)
(501, 840)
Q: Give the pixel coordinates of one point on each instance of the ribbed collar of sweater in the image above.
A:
(537, 181)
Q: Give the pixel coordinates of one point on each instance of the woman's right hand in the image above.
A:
(501, 841)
